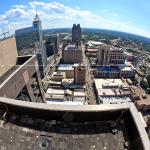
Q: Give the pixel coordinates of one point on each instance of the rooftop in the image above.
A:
(126, 68)
(94, 43)
(72, 47)
(46, 126)
(108, 68)
(112, 87)
(55, 91)
(15, 135)
(65, 67)
(116, 49)
(114, 100)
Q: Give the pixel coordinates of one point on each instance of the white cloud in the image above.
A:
(55, 15)
(114, 14)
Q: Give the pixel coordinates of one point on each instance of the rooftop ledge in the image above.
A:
(85, 108)
(63, 107)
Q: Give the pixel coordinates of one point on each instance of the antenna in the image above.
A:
(36, 12)
(4, 33)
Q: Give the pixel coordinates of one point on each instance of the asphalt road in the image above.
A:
(91, 98)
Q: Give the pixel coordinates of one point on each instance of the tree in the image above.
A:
(148, 79)
(144, 84)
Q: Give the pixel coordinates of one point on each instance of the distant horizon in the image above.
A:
(124, 16)
(99, 29)
(132, 34)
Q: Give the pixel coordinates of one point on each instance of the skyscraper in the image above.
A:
(76, 33)
(27, 37)
(30, 42)
(38, 25)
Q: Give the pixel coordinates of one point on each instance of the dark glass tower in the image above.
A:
(76, 33)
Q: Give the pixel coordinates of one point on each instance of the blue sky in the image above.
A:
(122, 15)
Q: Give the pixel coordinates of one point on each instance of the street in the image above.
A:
(91, 98)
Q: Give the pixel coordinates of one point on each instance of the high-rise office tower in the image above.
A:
(27, 37)
(38, 25)
(30, 42)
(76, 33)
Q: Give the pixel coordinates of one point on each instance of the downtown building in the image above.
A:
(72, 54)
(80, 74)
(30, 42)
(19, 75)
(110, 55)
(33, 124)
(27, 37)
(76, 33)
(111, 63)
(52, 44)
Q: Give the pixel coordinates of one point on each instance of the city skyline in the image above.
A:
(118, 15)
(74, 86)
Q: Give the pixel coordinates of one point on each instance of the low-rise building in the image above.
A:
(127, 71)
(91, 52)
(92, 48)
(58, 76)
(117, 71)
(130, 57)
(107, 72)
(112, 91)
(94, 44)
(67, 68)
(65, 95)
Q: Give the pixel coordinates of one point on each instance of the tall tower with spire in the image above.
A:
(38, 25)
(37, 22)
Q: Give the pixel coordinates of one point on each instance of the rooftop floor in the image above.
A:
(28, 134)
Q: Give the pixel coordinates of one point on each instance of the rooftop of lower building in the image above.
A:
(72, 47)
(108, 68)
(65, 67)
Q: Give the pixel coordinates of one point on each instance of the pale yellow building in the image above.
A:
(110, 55)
